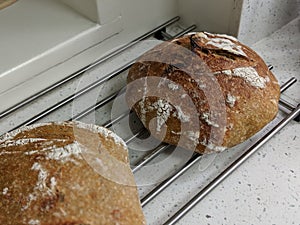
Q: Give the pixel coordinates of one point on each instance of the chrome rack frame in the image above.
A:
(91, 86)
(294, 112)
(231, 168)
(89, 67)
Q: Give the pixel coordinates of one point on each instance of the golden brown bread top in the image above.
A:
(66, 173)
(214, 91)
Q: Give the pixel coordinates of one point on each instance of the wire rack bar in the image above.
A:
(152, 155)
(156, 152)
(167, 36)
(185, 31)
(158, 189)
(139, 133)
(161, 148)
(94, 107)
(288, 84)
(285, 104)
(117, 119)
(73, 96)
(83, 70)
(195, 158)
(84, 90)
(223, 175)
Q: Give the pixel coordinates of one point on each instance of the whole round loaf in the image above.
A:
(66, 173)
(205, 92)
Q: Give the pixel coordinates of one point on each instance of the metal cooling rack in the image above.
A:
(290, 112)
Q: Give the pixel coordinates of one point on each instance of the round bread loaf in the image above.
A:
(66, 173)
(205, 92)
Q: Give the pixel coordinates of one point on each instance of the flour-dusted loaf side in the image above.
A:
(205, 92)
(66, 173)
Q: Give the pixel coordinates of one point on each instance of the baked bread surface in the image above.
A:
(66, 173)
(205, 92)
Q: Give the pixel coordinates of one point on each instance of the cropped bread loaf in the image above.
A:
(205, 92)
(66, 173)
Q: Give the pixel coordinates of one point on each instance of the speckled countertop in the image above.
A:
(264, 190)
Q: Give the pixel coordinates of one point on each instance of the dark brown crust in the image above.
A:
(72, 193)
(253, 106)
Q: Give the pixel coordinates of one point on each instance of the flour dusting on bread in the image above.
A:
(227, 45)
(250, 75)
(242, 101)
(46, 176)
(163, 109)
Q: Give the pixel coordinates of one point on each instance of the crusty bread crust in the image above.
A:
(50, 174)
(232, 91)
